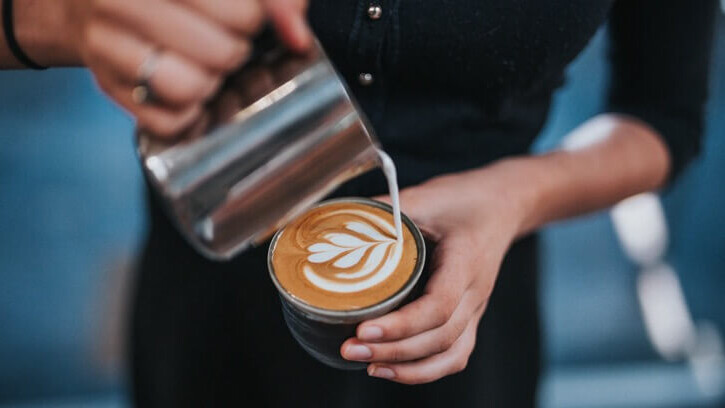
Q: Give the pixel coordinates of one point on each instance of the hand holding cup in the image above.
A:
(473, 219)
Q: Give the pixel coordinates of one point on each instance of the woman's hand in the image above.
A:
(198, 43)
(473, 217)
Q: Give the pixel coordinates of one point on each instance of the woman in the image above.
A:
(457, 92)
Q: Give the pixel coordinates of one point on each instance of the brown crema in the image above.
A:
(343, 256)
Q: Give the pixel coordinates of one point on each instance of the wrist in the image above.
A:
(526, 186)
(44, 31)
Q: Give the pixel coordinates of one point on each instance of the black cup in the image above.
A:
(321, 332)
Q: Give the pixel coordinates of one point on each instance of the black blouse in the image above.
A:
(455, 84)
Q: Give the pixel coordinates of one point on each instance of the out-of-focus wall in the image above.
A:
(71, 217)
(597, 349)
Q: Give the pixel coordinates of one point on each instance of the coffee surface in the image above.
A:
(344, 256)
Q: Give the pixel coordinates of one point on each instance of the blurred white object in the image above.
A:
(577, 140)
(641, 227)
(664, 310)
(707, 360)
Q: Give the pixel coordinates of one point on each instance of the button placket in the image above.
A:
(372, 37)
(367, 47)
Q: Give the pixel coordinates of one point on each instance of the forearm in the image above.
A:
(629, 158)
(44, 29)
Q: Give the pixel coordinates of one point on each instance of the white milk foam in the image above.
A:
(350, 249)
(391, 176)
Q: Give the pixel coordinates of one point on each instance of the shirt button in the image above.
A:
(366, 79)
(375, 11)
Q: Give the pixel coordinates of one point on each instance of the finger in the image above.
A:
(162, 121)
(173, 26)
(241, 16)
(420, 222)
(450, 279)
(175, 80)
(430, 369)
(423, 345)
(288, 17)
(416, 206)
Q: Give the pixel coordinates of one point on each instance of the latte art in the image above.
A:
(363, 252)
(344, 256)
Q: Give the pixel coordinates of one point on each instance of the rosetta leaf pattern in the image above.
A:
(349, 250)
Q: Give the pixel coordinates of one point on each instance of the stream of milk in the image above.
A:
(392, 178)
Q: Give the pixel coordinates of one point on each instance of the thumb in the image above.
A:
(412, 205)
(288, 17)
(383, 198)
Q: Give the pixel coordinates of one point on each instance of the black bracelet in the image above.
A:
(12, 41)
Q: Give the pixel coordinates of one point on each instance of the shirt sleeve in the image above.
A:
(660, 56)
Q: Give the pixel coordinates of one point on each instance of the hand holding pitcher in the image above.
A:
(162, 70)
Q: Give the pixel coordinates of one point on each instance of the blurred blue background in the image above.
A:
(71, 220)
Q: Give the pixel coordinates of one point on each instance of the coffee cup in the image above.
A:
(323, 297)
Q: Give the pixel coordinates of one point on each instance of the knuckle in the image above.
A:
(232, 56)
(395, 354)
(417, 376)
(396, 325)
(110, 88)
(100, 81)
(439, 318)
(165, 129)
(403, 329)
(299, 5)
(206, 87)
(144, 120)
(161, 126)
(449, 339)
(106, 87)
(424, 378)
(101, 6)
(459, 327)
(251, 18)
(107, 8)
(213, 86)
(443, 311)
(485, 289)
(409, 379)
(93, 34)
(460, 365)
(193, 88)
(182, 95)
(257, 20)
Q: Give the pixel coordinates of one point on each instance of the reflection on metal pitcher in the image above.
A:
(281, 134)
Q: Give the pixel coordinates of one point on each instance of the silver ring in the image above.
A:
(143, 92)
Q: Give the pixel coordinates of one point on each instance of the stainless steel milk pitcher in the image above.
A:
(281, 134)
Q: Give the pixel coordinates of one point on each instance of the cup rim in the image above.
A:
(368, 312)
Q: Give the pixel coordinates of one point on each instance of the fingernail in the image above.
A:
(370, 333)
(382, 372)
(358, 352)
